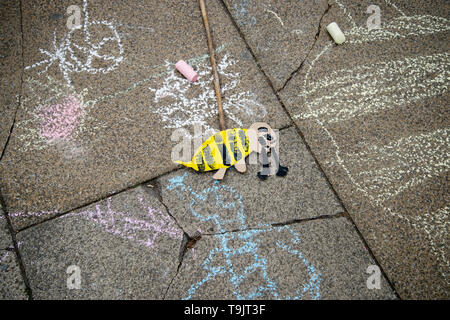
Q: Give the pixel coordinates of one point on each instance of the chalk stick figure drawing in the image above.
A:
(395, 167)
(225, 198)
(75, 57)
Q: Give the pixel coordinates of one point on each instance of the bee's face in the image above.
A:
(263, 136)
(267, 139)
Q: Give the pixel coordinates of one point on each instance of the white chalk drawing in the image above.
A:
(4, 256)
(386, 171)
(276, 16)
(412, 160)
(183, 104)
(369, 88)
(87, 55)
(400, 27)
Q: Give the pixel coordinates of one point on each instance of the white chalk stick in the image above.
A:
(336, 33)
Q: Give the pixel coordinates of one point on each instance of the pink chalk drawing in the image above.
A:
(144, 232)
(59, 121)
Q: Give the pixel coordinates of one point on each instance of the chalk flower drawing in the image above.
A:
(383, 172)
(85, 56)
(58, 119)
(244, 244)
(182, 104)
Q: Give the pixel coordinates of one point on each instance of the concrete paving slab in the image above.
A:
(280, 32)
(5, 236)
(10, 66)
(321, 259)
(101, 102)
(383, 139)
(198, 202)
(12, 286)
(125, 247)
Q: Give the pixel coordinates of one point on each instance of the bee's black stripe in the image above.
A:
(208, 157)
(199, 161)
(222, 149)
(244, 139)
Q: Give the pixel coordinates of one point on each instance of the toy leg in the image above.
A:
(241, 166)
(220, 174)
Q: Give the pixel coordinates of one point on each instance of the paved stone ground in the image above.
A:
(85, 140)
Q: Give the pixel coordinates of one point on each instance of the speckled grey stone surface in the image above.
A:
(195, 198)
(375, 113)
(5, 236)
(85, 131)
(12, 286)
(126, 247)
(10, 65)
(321, 259)
(279, 32)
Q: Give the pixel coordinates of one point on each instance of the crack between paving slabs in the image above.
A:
(316, 37)
(279, 224)
(19, 97)
(154, 187)
(15, 249)
(60, 214)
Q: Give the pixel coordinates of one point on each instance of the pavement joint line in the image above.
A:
(316, 37)
(279, 224)
(19, 97)
(183, 250)
(157, 189)
(372, 255)
(15, 249)
(302, 135)
(60, 214)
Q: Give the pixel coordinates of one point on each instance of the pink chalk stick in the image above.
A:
(186, 70)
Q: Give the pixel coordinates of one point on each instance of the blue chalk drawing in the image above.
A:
(250, 247)
(242, 15)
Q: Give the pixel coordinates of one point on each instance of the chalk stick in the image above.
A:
(336, 33)
(186, 70)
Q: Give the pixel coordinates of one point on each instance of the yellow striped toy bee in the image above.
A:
(230, 147)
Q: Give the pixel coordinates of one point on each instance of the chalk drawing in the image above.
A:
(183, 104)
(241, 13)
(144, 232)
(72, 57)
(4, 256)
(432, 146)
(249, 244)
(348, 93)
(72, 147)
(400, 27)
(412, 160)
(276, 16)
(59, 119)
